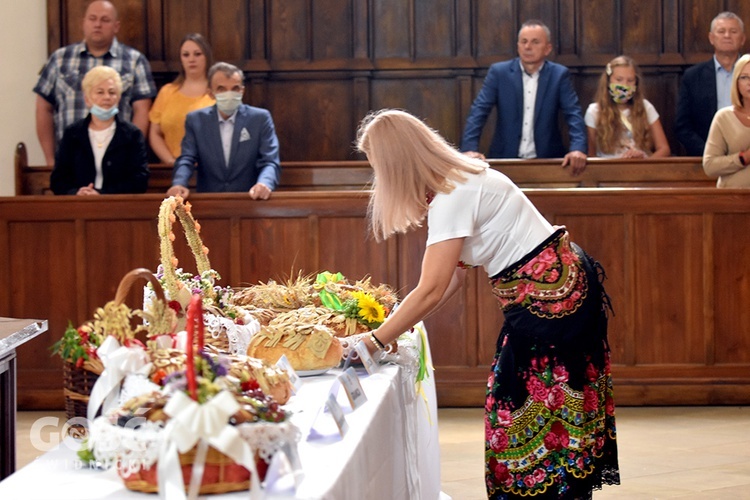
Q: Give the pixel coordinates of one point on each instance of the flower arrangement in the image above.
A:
(77, 345)
(365, 309)
(356, 304)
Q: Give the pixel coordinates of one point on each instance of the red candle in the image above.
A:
(194, 314)
(199, 320)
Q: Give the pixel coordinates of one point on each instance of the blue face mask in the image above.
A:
(103, 114)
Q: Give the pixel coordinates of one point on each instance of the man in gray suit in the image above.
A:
(232, 145)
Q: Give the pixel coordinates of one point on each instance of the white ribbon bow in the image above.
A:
(192, 423)
(119, 361)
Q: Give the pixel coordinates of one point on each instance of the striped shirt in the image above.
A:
(60, 80)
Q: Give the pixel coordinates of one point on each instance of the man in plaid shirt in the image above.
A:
(59, 100)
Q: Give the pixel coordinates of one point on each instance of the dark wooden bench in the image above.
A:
(356, 175)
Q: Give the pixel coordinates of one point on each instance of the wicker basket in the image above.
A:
(78, 382)
(220, 475)
(77, 385)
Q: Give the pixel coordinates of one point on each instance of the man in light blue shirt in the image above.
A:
(705, 87)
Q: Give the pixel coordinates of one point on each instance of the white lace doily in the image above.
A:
(136, 449)
(238, 336)
(135, 385)
(406, 355)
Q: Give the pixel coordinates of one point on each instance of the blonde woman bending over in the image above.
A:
(552, 359)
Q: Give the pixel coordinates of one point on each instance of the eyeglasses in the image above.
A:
(744, 78)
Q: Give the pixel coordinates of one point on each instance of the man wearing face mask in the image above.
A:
(232, 145)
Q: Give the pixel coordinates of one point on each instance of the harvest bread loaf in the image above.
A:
(360, 302)
(297, 334)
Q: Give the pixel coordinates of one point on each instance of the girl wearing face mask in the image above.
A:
(188, 92)
(621, 123)
(101, 154)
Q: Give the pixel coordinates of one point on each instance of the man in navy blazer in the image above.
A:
(700, 96)
(232, 145)
(529, 92)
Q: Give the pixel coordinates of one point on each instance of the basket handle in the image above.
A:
(127, 281)
(174, 209)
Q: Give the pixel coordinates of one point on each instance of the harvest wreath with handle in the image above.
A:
(228, 328)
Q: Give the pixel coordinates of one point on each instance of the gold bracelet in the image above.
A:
(377, 342)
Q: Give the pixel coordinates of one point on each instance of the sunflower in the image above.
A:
(370, 309)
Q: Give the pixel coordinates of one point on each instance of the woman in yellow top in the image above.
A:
(175, 100)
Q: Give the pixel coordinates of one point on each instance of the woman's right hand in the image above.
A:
(159, 145)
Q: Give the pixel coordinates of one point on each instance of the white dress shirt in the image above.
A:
(226, 129)
(527, 148)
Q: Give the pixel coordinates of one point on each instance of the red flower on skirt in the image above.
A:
(557, 438)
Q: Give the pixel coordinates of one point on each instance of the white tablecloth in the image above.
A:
(391, 449)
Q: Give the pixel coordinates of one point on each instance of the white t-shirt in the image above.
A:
(499, 223)
(592, 114)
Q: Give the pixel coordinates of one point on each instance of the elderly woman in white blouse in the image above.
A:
(727, 153)
(101, 154)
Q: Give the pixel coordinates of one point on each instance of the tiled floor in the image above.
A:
(665, 452)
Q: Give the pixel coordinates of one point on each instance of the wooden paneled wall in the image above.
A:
(676, 260)
(320, 65)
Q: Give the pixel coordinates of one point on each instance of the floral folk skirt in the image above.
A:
(550, 413)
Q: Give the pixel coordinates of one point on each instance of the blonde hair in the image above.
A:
(410, 161)
(97, 75)
(609, 126)
(737, 99)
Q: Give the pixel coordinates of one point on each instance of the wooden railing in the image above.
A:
(676, 260)
(295, 176)
(355, 175)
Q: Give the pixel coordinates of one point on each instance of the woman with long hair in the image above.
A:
(621, 122)
(188, 92)
(727, 153)
(549, 421)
